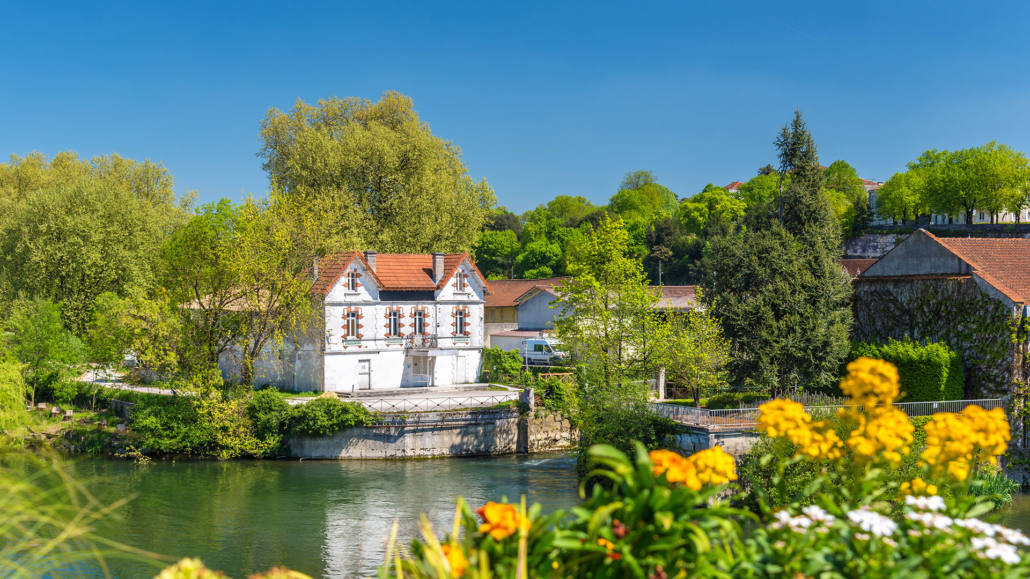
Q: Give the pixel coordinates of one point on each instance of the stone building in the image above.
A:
(971, 293)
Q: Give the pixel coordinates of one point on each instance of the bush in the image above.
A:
(270, 415)
(618, 423)
(928, 373)
(327, 416)
(12, 396)
(734, 399)
(498, 363)
(192, 425)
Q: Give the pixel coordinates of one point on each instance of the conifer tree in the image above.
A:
(775, 282)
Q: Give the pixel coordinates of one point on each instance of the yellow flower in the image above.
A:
(955, 441)
(676, 468)
(713, 466)
(455, 558)
(871, 383)
(786, 419)
(608, 546)
(881, 433)
(189, 569)
(501, 520)
(917, 487)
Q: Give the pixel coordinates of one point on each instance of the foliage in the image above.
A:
(712, 206)
(73, 229)
(954, 312)
(327, 416)
(761, 189)
(498, 363)
(929, 372)
(41, 344)
(778, 290)
(984, 178)
(698, 352)
(12, 396)
(851, 202)
(608, 314)
(195, 569)
(270, 416)
(903, 197)
(199, 425)
(733, 400)
(150, 328)
(495, 253)
(398, 187)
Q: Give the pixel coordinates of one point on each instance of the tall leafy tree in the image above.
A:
(848, 197)
(400, 188)
(903, 197)
(495, 253)
(713, 205)
(40, 342)
(984, 178)
(762, 188)
(698, 353)
(778, 289)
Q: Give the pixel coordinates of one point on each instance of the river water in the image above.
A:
(325, 518)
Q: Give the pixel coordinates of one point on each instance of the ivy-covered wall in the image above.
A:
(952, 310)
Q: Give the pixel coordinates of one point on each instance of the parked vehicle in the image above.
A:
(541, 352)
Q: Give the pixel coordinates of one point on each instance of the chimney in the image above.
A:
(370, 257)
(437, 266)
(315, 268)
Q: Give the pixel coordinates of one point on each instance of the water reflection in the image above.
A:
(327, 519)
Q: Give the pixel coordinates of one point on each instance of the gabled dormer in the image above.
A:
(349, 278)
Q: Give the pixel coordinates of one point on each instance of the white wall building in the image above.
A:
(390, 321)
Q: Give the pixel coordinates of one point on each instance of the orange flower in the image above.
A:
(676, 468)
(455, 558)
(609, 546)
(501, 520)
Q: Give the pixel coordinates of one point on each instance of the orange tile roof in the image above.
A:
(506, 291)
(682, 297)
(854, 267)
(394, 271)
(1002, 262)
(734, 185)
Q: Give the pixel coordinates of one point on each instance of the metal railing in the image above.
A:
(421, 341)
(477, 402)
(748, 417)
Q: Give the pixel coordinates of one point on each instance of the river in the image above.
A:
(325, 518)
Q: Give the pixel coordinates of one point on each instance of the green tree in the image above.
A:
(495, 253)
(40, 343)
(698, 353)
(848, 197)
(985, 178)
(151, 328)
(778, 290)
(637, 180)
(608, 312)
(397, 186)
(72, 229)
(712, 205)
(762, 188)
(903, 197)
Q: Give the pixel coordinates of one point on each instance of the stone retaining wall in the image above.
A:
(432, 434)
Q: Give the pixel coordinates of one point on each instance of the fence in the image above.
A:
(748, 417)
(477, 402)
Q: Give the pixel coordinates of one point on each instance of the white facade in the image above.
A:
(370, 335)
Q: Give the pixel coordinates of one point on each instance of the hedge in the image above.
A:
(928, 373)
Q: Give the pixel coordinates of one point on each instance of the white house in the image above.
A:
(390, 321)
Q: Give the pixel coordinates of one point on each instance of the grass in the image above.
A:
(286, 394)
(686, 402)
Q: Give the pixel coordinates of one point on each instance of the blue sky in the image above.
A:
(544, 99)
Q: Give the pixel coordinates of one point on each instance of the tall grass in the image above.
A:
(49, 521)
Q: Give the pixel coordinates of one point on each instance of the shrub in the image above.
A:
(270, 415)
(327, 416)
(618, 423)
(193, 425)
(499, 363)
(734, 399)
(12, 396)
(930, 372)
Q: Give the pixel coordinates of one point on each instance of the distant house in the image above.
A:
(854, 267)
(970, 293)
(388, 321)
(734, 187)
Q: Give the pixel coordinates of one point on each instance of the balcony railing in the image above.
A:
(421, 341)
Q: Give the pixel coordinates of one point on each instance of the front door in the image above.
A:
(460, 376)
(364, 374)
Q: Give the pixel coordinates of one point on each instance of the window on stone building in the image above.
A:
(395, 323)
(352, 324)
(420, 323)
(460, 277)
(352, 281)
(460, 322)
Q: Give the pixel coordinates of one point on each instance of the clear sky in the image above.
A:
(544, 99)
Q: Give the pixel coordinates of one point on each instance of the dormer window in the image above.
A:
(352, 281)
(460, 278)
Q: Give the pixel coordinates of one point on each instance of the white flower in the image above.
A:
(931, 520)
(934, 503)
(797, 524)
(874, 523)
(977, 526)
(992, 549)
(1012, 536)
(817, 514)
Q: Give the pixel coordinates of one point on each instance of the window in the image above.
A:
(460, 322)
(352, 324)
(420, 323)
(395, 323)
(460, 277)
(352, 281)
(538, 347)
